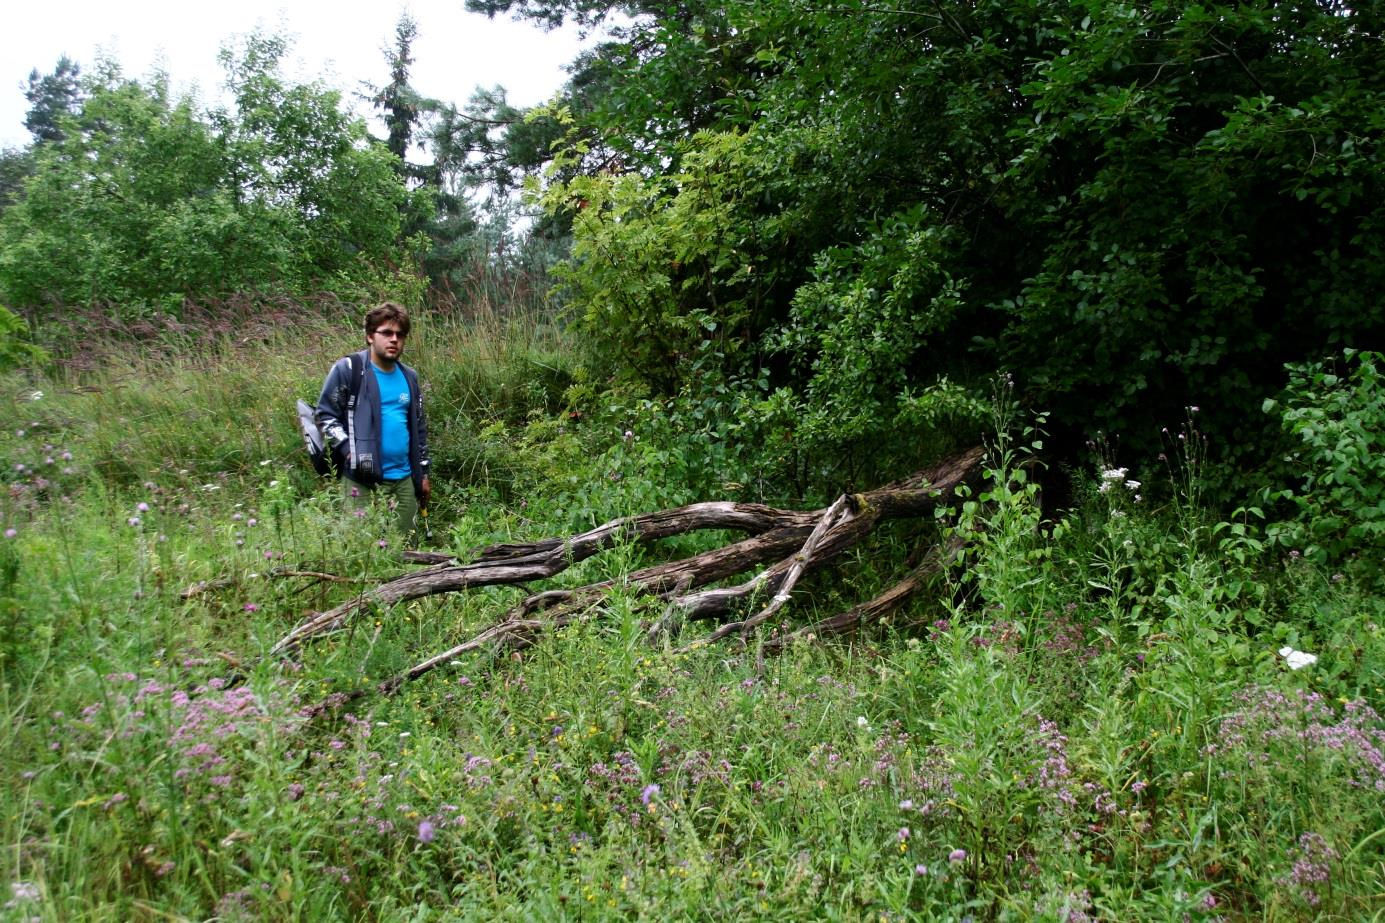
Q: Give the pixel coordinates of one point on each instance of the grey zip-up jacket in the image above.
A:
(359, 431)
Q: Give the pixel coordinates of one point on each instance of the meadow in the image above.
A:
(1136, 708)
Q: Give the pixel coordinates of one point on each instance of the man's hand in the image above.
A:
(425, 490)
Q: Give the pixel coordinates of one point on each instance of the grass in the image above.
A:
(1089, 721)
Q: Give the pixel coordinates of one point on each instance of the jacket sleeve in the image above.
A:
(331, 403)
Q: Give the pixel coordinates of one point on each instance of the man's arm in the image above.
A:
(331, 403)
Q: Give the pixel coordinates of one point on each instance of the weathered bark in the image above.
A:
(791, 542)
(874, 610)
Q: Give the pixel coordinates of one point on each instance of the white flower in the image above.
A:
(36, 396)
(22, 891)
(1297, 660)
(1114, 474)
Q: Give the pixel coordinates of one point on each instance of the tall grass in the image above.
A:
(1089, 720)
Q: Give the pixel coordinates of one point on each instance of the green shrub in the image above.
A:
(1338, 415)
(15, 349)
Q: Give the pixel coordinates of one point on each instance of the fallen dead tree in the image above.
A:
(789, 542)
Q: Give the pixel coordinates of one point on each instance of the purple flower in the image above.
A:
(133, 520)
(251, 607)
(425, 831)
(920, 869)
(957, 855)
(903, 834)
(295, 791)
(382, 543)
(649, 792)
(142, 507)
(11, 533)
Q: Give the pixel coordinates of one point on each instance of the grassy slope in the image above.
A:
(1094, 725)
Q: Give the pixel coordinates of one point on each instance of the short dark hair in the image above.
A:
(387, 310)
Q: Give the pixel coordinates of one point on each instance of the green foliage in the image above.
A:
(145, 201)
(16, 348)
(52, 99)
(1022, 745)
(655, 267)
(1337, 412)
(1132, 210)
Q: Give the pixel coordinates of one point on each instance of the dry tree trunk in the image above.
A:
(790, 542)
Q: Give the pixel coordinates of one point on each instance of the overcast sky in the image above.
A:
(338, 41)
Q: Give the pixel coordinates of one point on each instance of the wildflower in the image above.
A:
(142, 507)
(252, 522)
(1312, 869)
(861, 721)
(649, 792)
(382, 543)
(1297, 660)
(903, 834)
(425, 831)
(1139, 786)
(251, 607)
(22, 891)
(133, 520)
(920, 869)
(11, 533)
(957, 855)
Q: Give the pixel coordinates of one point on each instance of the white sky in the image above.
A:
(337, 41)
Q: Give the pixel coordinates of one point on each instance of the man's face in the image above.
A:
(386, 343)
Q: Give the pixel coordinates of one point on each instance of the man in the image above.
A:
(380, 441)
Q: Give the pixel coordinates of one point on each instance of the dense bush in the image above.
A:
(141, 201)
(1337, 413)
(1131, 209)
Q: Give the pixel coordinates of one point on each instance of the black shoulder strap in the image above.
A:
(357, 372)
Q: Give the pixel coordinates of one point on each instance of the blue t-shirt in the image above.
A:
(394, 422)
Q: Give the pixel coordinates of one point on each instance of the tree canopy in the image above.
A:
(1132, 208)
(138, 198)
